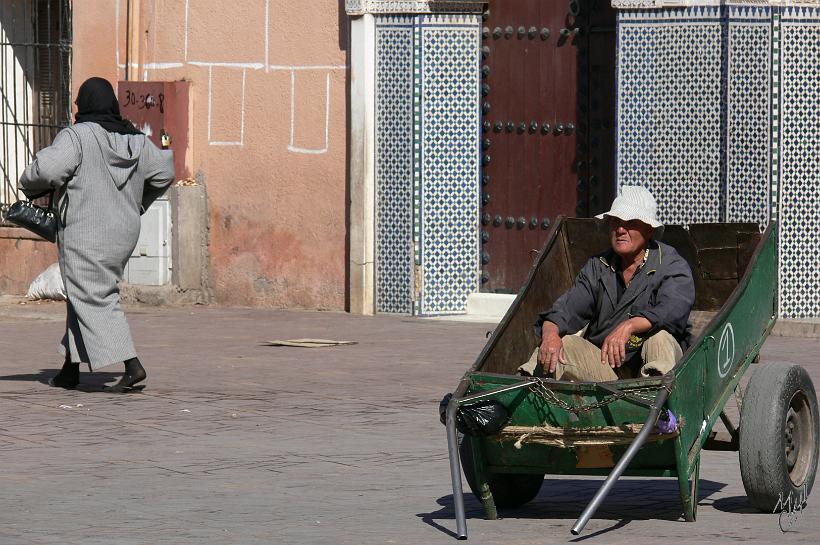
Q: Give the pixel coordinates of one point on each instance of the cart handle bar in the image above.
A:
(455, 469)
(622, 464)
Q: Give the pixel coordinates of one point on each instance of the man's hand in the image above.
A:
(552, 350)
(613, 349)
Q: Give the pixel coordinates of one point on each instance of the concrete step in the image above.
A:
(489, 304)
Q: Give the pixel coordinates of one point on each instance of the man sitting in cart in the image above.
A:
(627, 313)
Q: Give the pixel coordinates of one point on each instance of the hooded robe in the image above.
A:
(105, 181)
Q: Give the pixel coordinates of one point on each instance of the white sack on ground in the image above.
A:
(48, 285)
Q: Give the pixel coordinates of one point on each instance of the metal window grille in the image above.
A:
(35, 83)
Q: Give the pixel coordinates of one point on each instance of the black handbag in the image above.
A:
(40, 220)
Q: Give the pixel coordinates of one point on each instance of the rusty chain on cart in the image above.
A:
(539, 388)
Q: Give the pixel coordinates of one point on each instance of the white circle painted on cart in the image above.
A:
(726, 351)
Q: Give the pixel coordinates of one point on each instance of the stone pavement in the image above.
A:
(237, 443)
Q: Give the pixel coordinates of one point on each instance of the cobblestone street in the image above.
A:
(233, 442)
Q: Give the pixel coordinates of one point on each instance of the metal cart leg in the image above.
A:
(455, 470)
(682, 468)
(482, 481)
(622, 464)
(689, 490)
(694, 487)
(455, 463)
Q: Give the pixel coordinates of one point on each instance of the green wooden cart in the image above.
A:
(586, 428)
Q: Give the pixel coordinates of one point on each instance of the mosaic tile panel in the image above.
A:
(394, 165)
(449, 162)
(670, 120)
(774, 192)
(749, 110)
(799, 209)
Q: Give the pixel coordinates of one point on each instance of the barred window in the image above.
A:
(35, 83)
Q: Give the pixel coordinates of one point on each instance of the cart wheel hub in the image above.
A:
(798, 431)
(792, 441)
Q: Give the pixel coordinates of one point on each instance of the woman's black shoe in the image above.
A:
(68, 377)
(134, 373)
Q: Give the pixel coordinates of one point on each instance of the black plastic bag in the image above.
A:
(442, 408)
(486, 417)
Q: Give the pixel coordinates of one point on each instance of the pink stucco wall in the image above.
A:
(268, 91)
(22, 257)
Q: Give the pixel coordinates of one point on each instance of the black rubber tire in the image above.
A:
(508, 489)
(779, 436)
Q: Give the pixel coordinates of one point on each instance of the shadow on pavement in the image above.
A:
(472, 508)
(89, 382)
(630, 499)
(737, 504)
(616, 526)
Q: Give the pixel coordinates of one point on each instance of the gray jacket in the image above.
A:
(662, 291)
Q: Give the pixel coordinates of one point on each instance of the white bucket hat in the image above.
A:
(635, 203)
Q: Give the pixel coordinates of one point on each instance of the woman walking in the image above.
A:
(106, 174)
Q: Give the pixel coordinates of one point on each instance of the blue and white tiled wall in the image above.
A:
(748, 135)
(394, 164)
(718, 116)
(662, 89)
(799, 181)
(427, 153)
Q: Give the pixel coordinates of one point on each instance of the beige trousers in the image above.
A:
(659, 354)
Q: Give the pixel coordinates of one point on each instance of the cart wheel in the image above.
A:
(508, 489)
(778, 436)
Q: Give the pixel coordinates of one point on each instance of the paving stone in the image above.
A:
(232, 442)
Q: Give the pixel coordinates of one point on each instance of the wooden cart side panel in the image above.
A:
(560, 260)
(715, 363)
(739, 331)
(717, 268)
(584, 239)
(505, 458)
(514, 339)
(717, 254)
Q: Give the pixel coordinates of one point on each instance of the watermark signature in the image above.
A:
(791, 508)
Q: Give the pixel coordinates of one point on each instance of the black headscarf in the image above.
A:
(96, 103)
